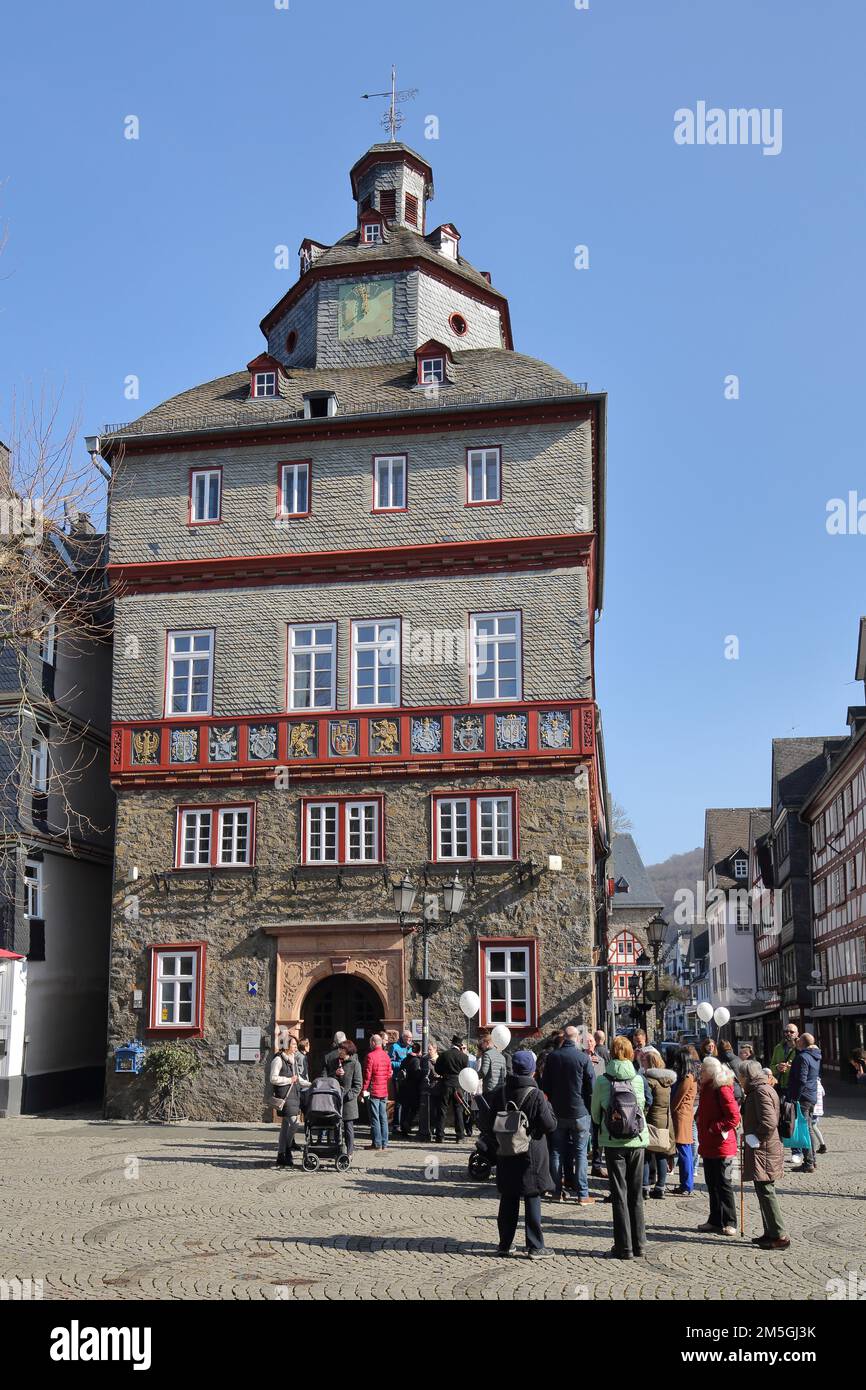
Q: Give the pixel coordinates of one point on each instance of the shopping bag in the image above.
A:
(800, 1139)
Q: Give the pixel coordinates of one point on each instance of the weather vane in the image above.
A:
(393, 119)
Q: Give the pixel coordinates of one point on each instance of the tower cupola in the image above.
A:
(394, 181)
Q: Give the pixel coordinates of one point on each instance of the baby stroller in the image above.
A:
(324, 1136)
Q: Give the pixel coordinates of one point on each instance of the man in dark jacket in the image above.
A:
(449, 1065)
(527, 1175)
(803, 1087)
(332, 1058)
(600, 1046)
(568, 1080)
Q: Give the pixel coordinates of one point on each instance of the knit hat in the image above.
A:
(523, 1062)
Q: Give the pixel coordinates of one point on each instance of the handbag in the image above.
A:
(787, 1119)
(801, 1138)
(659, 1139)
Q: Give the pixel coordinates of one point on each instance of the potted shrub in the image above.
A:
(169, 1065)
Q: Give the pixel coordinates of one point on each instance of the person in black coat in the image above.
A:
(568, 1081)
(448, 1067)
(525, 1176)
(409, 1085)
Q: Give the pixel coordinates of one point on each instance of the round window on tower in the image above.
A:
(458, 324)
(291, 342)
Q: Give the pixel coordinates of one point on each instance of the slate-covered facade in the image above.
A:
(355, 639)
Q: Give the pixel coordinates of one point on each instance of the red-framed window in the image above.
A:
(474, 826)
(388, 203)
(458, 325)
(343, 830)
(390, 483)
(508, 975)
(216, 836)
(294, 489)
(431, 371)
(484, 476)
(622, 955)
(205, 496)
(177, 988)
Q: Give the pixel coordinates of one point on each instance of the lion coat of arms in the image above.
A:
(384, 736)
(302, 741)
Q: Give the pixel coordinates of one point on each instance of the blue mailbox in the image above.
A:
(129, 1057)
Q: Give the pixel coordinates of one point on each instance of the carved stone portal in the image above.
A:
(304, 957)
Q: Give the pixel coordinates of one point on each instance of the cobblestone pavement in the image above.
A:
(131, 1211)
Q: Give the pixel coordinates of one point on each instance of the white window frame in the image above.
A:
(508, 975)
(240, 849)
(176, 978)
(48, 637)
(206, 477)
(485, 495)
(264, 385)
(324, 812)
(745, 864)
(295, 470)
(200, 818)
(39, 764)
(495, 802)
(494, 640)
(386, 469)
(34, 889)
(360, 811)
(380, 647)
(313, 650)
(174, 658)
(372, 234)
(448, 809)
(445, 812)
(432, 371)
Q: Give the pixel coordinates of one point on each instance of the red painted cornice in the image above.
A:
(384, 265)
(335, 566)
(298, 433)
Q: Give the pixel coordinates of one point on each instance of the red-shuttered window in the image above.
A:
(508, 972)
(412, 209)
(177, 980)
(388, 202)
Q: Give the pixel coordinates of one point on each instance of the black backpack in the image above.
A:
(624, 1116)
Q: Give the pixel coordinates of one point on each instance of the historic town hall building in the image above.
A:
(355, 640)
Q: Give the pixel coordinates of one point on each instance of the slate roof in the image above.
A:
(726, 829)
(798, 764)
(480, 375)
(402, 244)
(625, 862)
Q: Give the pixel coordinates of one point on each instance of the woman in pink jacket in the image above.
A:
(718, 1118)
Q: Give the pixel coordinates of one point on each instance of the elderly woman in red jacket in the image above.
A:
(718, 1117)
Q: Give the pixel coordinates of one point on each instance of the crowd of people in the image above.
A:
(581, 1110)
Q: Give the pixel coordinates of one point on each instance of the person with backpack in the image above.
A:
(618, 1104)
(519, 1118)
(718, 1118)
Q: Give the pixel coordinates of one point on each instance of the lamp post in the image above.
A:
(656, 929)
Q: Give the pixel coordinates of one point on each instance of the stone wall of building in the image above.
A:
(241, 914)
(546, 490)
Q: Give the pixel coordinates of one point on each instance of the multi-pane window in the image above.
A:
(507, 985)
(33, 891)
(342, 832)
(176, 986)
(376, 663)
(215, 837)
(372, 233)
(312, 666)
(432, 371)
(205, 495)
(265, 384)
(496, 657)
(39, 764)
(741, 868)
(189, 672)
(389, 483)
(483, 475)
(47, 637)
(473, 827)
(294, 498)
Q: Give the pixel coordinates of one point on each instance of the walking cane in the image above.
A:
(742, 1201)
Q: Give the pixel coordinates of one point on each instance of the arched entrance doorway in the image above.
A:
(344, 1002)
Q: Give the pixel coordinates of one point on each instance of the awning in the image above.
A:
(761, 1013)
(11, 955)
(837, 1011)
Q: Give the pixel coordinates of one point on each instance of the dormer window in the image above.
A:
(741, 868)
(372, 234)
(306, 262)
(319, 405)
(432, 371)
(264, 384)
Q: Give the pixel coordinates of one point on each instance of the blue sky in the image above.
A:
(155, 258)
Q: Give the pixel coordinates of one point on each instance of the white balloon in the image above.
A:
(722, 1015)
(469, 1080)
(469, 1003)
(501, 1036)
(705, 1011)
